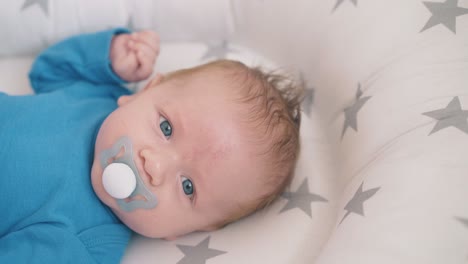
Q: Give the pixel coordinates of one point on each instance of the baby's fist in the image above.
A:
(133, 55)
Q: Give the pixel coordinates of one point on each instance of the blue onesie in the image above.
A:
(48, 210)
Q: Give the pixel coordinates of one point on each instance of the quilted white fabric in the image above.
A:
(391, 92)
(383, 171)
(28, 26)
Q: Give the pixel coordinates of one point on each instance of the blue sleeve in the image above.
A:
(80, 58)
(47, 243)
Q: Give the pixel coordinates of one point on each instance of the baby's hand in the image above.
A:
(133, 55)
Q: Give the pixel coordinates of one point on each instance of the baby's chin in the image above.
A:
(96, 183)
(95, 180)
(135, 221)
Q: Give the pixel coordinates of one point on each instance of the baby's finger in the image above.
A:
(145, 67)
(131, 44)
(149, 38)
(128, 63)
(147, 51)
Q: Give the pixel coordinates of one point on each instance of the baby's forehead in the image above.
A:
(210, 148)
(204, 87)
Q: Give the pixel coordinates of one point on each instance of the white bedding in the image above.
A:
(383, 171)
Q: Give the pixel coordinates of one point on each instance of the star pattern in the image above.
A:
(444, 13)
(198, 254)
(451, 115)
(218, 50)
(356, 204)
(351, 111)
(309, 94)
(464, 221)
(301, 199)
(43, 4)
(339, 2)
(308, 101)
(130, 25)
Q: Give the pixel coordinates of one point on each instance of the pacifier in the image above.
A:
(121, 178)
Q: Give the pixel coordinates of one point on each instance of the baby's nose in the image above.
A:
(157, 166)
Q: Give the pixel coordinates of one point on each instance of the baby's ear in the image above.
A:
(124, 99)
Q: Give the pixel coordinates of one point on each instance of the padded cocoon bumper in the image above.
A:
(30, 26)
(383, 171)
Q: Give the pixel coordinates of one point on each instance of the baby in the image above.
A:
(84, 161)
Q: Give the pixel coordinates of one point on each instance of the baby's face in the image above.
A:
(190, 150)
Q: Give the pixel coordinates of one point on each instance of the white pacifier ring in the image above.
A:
(118, 180)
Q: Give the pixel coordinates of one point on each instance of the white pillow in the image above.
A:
(28, 26)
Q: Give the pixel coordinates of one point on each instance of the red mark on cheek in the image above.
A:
(209, 152)
(221, 152)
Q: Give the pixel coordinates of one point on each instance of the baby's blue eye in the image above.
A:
(165, 126)
(187, 186)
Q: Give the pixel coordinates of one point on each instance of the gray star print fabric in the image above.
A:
(383, 172)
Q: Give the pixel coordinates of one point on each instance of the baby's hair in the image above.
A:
(273, 102)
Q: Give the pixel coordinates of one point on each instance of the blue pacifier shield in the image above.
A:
(121, 178)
